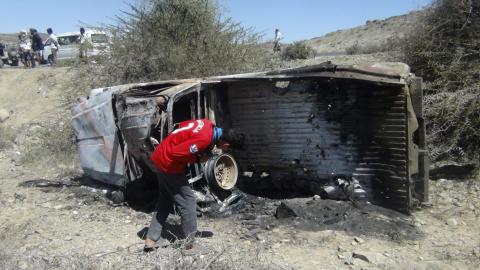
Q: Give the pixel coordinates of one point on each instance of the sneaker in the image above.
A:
(162, 243)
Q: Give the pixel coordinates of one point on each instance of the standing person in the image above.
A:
(25, 45)
(54, 46)
(276, 44)
(37, 45)
(187, 144)
(83, 44)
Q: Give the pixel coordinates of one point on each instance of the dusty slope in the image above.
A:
(31, 95)
(374, 32)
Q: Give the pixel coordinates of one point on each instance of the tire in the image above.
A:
(14, 63)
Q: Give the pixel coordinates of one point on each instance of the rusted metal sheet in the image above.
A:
(384, 73)
(97, 140)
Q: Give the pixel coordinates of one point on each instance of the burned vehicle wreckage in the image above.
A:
(312, 130)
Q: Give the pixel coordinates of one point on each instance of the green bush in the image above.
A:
(298, 50)
(166, 39)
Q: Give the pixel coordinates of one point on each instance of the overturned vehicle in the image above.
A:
(312, 130)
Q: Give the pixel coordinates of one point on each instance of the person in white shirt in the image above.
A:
(54, 45)
(276, 45)
(25, 44)
(83, 44)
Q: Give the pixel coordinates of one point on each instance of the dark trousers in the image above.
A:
(174, 189)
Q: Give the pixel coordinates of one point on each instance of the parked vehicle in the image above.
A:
(69, 44)
(304, 129)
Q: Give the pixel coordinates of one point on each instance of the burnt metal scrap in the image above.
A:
(337, 131)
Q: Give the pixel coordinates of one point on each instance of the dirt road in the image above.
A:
(53, 218)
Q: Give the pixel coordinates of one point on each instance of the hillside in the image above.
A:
(374, 33)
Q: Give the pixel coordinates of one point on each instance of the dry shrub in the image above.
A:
(298, 50)
(369, 48)
(444, 49)
(165, 39)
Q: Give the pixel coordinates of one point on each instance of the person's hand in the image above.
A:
(204, 158)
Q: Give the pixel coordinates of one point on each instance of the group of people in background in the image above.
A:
(31, 47)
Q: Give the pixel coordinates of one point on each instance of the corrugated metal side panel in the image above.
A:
(314, 129)
(296, 128)
(385, 161)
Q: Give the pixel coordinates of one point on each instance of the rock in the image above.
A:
(284, 211)
(22, 265)
(4, 115)
(368, 256)
(252, 233)
(452, 222)
(259, 237)
(68, 238)
(316, 197)
(359, 240)
(75, 212)
(341, 249)
(360, 256)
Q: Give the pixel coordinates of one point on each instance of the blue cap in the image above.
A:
(217, 133)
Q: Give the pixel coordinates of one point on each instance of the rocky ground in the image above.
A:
(65, 221)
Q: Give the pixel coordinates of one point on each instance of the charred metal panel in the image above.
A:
(300, 133)
(384, 164)
(135, 118)
(98, 144)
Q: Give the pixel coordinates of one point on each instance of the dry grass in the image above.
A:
(133, 258)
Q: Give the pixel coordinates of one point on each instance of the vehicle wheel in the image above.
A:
(14, 63)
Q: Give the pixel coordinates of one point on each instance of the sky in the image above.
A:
(296, 19)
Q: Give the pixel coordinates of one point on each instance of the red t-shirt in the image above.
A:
(181, 146)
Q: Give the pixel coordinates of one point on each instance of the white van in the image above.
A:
(69, 44)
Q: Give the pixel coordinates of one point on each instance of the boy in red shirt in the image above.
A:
(185, 145)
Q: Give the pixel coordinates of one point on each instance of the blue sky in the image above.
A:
(297, 20)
